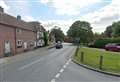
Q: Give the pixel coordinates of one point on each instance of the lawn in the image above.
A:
(111, 60)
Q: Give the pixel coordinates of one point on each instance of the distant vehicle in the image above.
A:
(113, 47)
(59, 45)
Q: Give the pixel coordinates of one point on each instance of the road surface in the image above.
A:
(49, 65)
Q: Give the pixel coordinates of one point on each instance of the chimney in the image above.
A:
(1, 10)
(18, 17)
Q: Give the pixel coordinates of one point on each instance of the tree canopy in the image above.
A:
(113, 30)
(82, 30)
(116, 29)
(58, 33)
(108, 31)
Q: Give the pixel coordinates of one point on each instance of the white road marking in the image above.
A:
(53, 80)
(61, 70)
(64, 66)
(67, 63)
(69, 60)
(28, 65)
(57, 76)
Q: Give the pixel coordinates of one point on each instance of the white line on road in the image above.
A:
(61, 70)
(67, 63)
(57, 76)
(69, 60)
(64, 66)
(53, 80)
(28, 65)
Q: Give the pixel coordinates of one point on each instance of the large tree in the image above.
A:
(58, 33)
(108, 31)
(81, 30)
(116, 29)
(113, 30)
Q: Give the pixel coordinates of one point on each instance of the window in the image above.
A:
(38, 35)
(18, 30)
(19, 44)
(41, 33)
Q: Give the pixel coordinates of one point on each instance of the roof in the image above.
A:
(36, 26)
(14, 22)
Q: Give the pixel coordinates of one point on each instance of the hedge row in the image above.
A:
(100, 43)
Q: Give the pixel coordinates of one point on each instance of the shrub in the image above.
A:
(100, 43)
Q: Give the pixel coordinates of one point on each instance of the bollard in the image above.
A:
(76, 52)
(82, 56)
(101, 62)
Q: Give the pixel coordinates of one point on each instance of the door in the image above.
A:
(7, 48)
(25, 45)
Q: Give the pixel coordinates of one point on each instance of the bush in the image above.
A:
(100, 43)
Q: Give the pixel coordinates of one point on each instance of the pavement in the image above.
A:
(2, 61)
(49, 65)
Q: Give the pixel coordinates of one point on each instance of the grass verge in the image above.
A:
(111, 60)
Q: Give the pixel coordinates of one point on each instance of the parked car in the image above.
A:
(113, 47)
(59, 45)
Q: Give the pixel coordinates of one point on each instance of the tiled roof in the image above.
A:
(12, 21)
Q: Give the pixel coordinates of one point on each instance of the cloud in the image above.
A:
(99, 19)
(19, 7)
(4, 5)
(69, 7)
(28, 18)
(104, 16)
(63, 24)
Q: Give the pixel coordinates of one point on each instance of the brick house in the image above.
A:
(39, 29)
(16, 35)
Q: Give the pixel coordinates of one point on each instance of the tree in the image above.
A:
(58, 33)
(98, 36)
(82, 30)
(108, 31)
(116, 29)
(46, 38)
(113, 30)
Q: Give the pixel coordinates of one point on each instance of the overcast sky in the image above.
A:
(100, 13)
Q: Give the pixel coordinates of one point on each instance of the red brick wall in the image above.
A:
(25, 36)
(6, 34)
(10, 20)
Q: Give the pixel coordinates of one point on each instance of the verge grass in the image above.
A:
(111, 60)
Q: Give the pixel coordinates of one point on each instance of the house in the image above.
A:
(16, 35)
(39, 29)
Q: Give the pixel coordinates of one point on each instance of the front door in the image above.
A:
(7, 48)
(25, 45)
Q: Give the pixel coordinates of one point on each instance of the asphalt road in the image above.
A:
(49, 65)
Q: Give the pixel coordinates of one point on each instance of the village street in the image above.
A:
(48, 65)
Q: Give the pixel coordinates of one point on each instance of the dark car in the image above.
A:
(113, 47)
(59, 45)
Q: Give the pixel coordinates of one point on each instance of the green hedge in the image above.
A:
(100, 43)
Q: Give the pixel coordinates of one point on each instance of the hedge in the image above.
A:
(100, 43)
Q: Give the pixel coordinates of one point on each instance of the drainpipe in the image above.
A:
(15, 40)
